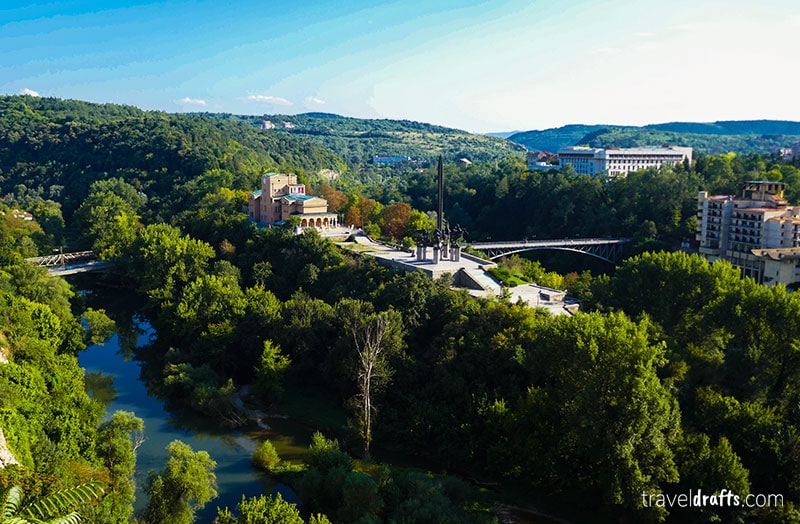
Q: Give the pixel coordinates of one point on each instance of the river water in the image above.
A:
(113, 375)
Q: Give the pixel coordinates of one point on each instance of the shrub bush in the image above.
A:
(266, 457)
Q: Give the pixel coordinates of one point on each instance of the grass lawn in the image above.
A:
(356, 248)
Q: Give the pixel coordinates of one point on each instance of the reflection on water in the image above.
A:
(101, 387)
(113, 378)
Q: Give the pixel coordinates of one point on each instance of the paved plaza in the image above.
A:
(469, 272)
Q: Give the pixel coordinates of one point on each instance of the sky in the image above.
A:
(481, 66)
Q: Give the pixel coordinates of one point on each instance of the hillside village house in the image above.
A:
(281, 197)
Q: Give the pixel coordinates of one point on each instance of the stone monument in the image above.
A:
(444, 239)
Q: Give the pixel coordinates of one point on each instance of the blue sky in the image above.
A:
(482, 66)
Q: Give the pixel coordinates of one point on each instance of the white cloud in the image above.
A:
(186, 101)
(605, 50)
(276, 100)
(690, 27)
(29, 92)
(312, 100)
(645, 34)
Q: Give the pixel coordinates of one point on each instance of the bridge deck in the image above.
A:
(64, 264)
(556, 242)
(74, 269)
(608, 249)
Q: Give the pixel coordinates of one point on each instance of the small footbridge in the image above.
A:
(63, 264)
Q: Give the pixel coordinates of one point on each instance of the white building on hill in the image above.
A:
(617, 161)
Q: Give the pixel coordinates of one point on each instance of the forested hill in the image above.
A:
(357, 140)
(54, 149)
(555, 138)
(732, 127)
(755, 136)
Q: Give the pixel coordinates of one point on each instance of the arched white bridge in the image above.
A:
(608, 249)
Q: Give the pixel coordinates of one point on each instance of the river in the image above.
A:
(114, 377)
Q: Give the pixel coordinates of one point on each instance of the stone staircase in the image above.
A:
(480, 280)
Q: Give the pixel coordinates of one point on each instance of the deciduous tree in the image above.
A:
(117, 441)
(374, 337)
(395, 220)
(187, 483)
(261, 510)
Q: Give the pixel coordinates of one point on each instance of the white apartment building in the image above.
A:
(584, 160)
(617, 161)
(758, 232)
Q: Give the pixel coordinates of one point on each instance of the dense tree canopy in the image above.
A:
(678, 374)
(52, 427)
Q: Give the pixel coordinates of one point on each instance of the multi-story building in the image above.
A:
(757, 232)
(281, 197)
(584, 160)
(617, 161)
(390, 160)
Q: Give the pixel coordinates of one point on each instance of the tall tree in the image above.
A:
(164, 260)
(395, 220)
(187, 483)
(117, 441)
(597, 375)
(374, 337)
(336, 199)
(108, 217)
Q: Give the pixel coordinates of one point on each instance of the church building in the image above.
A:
(281, 197)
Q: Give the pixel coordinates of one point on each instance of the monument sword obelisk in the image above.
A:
(441, 237)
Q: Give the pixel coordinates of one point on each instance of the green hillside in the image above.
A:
(732, 127)
(753, 136)
(553, 139)
(705, 143)
(54, 149)
(357, 140)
